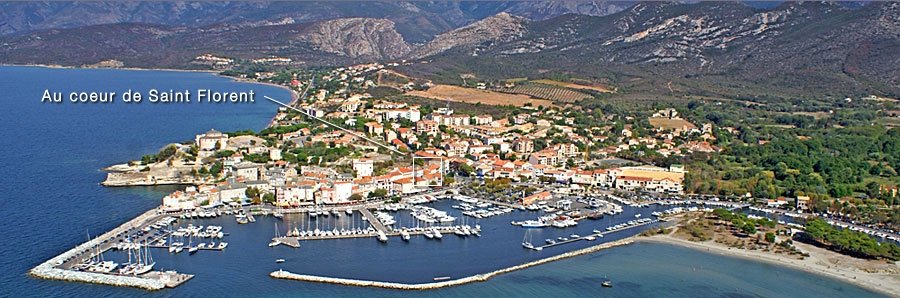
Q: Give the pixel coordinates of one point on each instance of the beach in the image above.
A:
(883, 277)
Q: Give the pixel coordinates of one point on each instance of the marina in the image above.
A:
(60, 225)
(158, 235)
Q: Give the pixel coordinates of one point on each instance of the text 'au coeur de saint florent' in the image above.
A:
(152, 96)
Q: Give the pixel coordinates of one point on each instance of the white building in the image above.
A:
(211, 140)
(363, 167)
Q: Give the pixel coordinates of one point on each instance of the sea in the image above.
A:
(50, 165)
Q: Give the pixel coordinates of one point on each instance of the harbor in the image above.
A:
(439, 223)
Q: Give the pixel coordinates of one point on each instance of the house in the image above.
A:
(544, 157)
(802, 203)
(541, 196)
(296, 194)
(374, 128)
(428, 127)
(363, 167)
(246, 170)
(523, 145)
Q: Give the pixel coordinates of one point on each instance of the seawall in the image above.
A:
(49, 270)
(443, 284)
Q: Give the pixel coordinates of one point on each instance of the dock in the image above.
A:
(373, 221)
(171, 279)
(597, 235)
(295, 241)
(289, 241)
(60, 267)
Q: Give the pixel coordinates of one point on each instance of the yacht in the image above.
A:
(533, 224)
(437, 234)
(428, 234)
(223, 245)
(382, 237)
(404, 235)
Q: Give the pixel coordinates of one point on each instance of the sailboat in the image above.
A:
(145, 261)
(275, 241)
(191, 248)
(526, 242)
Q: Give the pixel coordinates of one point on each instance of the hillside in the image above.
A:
(719, 48)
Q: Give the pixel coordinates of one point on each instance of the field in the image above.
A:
(667, 123)
(391, 78)
(470, 95)
(596, 88)
(555, 94)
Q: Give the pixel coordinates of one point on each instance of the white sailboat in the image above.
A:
(526, 242)
(275, 241)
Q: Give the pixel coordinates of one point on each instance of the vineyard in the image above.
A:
(556, 94)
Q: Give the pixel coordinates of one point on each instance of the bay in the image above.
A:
(50, 162)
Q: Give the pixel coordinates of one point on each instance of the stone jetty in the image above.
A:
(51, 268)
(443, 284)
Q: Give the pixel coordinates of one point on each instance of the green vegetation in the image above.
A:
(257, 158)
(743, 223)
(378, 193)
(847, 241)
(318, 152)
(224, 153)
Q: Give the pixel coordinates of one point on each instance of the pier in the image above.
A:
(295, 241)
(60, 267)
(373, 221)
(281, 274)
(601, 234)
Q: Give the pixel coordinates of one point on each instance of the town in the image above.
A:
(338, 162)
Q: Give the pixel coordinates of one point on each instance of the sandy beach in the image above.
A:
(878, 276)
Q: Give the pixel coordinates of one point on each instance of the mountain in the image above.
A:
(724, 48)
(501, 27)
(715, 48)
(417, 21)
(375, 39)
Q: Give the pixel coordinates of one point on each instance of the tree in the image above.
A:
(378, 193)
(749, 228)
(770, 237)
(467, 169)
(356, 197)
(268, 198)
(216, 168)
(253, 194)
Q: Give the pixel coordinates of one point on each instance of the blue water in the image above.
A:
(51, 198)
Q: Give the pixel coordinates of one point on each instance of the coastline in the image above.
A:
(51, 66)
(888, 284)
(281, 274)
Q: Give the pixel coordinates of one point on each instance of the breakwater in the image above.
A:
(51, 268)
(443, 284)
